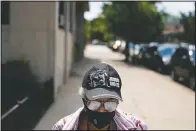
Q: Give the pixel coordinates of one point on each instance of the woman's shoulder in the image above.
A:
(136, 121)
(59, 125)
(140, 124)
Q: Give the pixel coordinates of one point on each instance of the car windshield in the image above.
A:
(167, 51)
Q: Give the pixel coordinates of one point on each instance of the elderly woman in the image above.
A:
(101, 94)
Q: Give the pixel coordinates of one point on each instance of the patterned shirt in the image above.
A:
(122, 120)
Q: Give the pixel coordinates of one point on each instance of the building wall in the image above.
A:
(31, 36)
(69, 58)
(5, 43)
(69, 37)
(59, 58)
(64, 47)
(59, 53)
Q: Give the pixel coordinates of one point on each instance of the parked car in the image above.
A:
(110, 44)
(166, 51)
(152, 59)
(116, 45)
(135, 52)
(183, 65)
(153, 44)
(131, 51)
(122, 46)
(141, 55)
(192, 71)
(95, 42)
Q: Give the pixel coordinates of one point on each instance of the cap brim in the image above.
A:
(99, 93)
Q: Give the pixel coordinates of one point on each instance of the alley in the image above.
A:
(155, 98)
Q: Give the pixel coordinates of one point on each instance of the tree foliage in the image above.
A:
(188, 22)
(97, 29)
(131, 21)
(87, 29)
(134, 21)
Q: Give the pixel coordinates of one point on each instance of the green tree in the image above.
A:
(97, 29)
(133, 21)
(87, 29)
(188, 22)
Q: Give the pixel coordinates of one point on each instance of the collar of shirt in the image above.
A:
(122, 121)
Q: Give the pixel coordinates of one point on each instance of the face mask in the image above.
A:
(99, 119)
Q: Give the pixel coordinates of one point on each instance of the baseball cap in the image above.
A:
(102, 81)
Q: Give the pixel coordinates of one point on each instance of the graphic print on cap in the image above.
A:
(102, 80)
(98, 78)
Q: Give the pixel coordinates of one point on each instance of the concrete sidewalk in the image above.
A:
(68, 99)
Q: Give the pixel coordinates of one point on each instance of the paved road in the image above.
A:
(160, 102)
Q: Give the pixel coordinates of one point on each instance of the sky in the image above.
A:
(174, 8)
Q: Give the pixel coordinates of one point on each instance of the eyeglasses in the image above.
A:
(109, 105)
